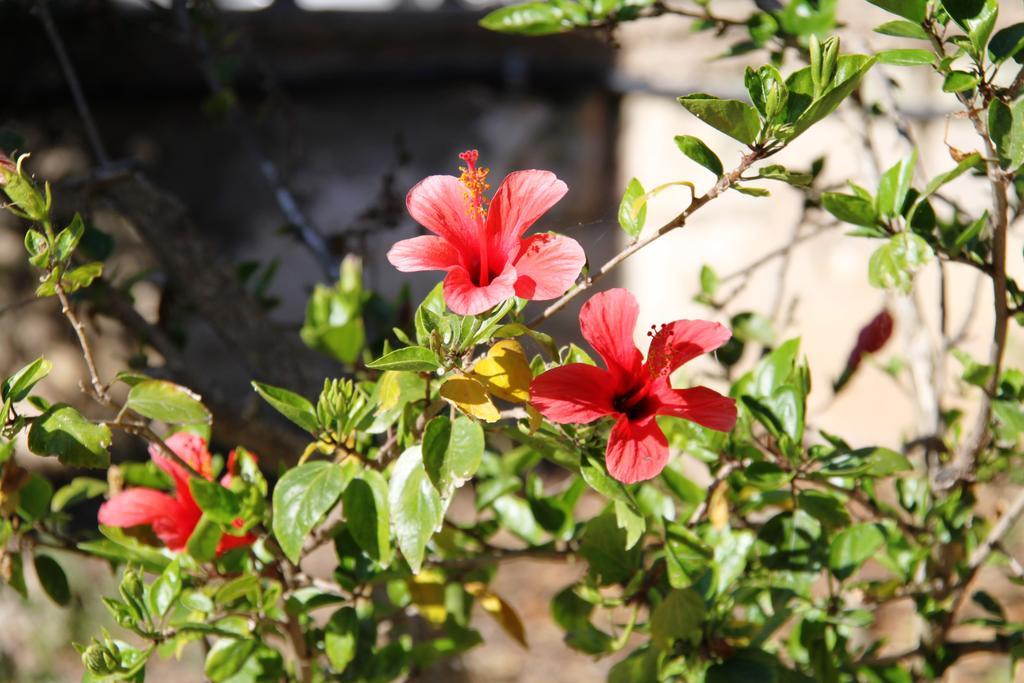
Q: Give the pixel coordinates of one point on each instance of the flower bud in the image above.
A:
(875, 334)
(871, 338)
(6, 167)
(99, 660)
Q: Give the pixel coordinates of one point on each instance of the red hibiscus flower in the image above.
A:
(173, 517)
(479, 242)
(631, 389)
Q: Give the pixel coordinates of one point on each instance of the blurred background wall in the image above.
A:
(350, 102)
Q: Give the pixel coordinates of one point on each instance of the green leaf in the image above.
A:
(162, 593)
(777, 172)
(631, 521)
(596, 476)
(202, 544)
(825, 507)
(767, 476)
(334, 323)
(341, 636)
(16, 387)
(1006, 126)
(82, 276)
(686, 555)
(409, 359)
(884, 462)
(219, 504)
(695, 148)
(965, 164)
(959, 81)
(902, 29)
(678, 617)
(852, 547)
(53, 579)
(227, 657)
(850, 69)
(79, 489)
(68, 239)
(979, 27)
(1007, 43)
(906, 57)
(451, 452)
(34, 498)
(962, 10)
(750, 191)
(894, 264)
(63, 431)
(753, 327)
(16, 574)
(604, 548)
(366, 508)
(894, 186)
(120, 547)
(736, 119)
(531, 19)
(708, 281)
(296, 408)
(516, 516)
(913, 10)
(302, 496)
(415, 506)
(633, 209)
(850, 209)
(168, 402)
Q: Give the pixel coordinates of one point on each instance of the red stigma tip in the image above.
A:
(470, 156)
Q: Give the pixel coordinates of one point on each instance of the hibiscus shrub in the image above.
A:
(725, 538)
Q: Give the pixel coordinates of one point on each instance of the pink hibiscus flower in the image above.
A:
(479, 242)
(173, 517)
(631, 389)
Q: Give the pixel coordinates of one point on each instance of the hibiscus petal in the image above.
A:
(547, 265)
(192, 449)
(426, 252)
(637, 450)
(704, 406)
(522, 198)
(438, 203)
(682, 341)
(175, 528)
(134, 507)
(230, 542)
(465, 298)
(576, 393)
(607, 321)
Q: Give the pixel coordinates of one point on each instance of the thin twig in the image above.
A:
(99, 389)
(723, 184)
(42, 8)
(311, 237)
(964, 460)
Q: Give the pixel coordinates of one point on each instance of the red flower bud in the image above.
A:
(871, 338)
(875, 334)
(6, 166)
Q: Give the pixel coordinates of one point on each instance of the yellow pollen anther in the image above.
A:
(474, 180)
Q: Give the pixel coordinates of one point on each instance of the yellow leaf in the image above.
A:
(536, 419)
(427, 592)
(470, 396)
(501, 611)
(505, 372)
(718, 508)
(389, 390)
